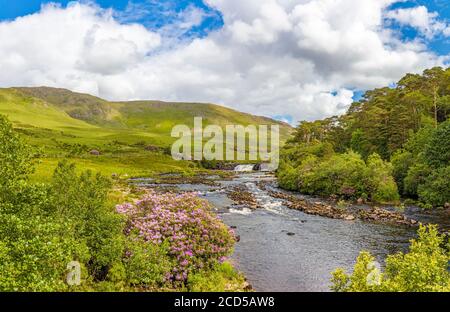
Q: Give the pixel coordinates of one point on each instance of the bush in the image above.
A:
(222, 278)
(288, 177)
(196, 239)
(345, 175)
(82, 199)
(15, 158)
(382, 186)
(416, 176)
(435, 190)
(401, 162)
(35, 248)
(342, 175)
(423, 268)
(34, 253)
(146, 264)
(437, 149)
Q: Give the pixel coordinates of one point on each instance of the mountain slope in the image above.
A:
(132, 137)
(154, 116)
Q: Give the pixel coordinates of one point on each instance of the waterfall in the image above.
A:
(267, 167)
(244, 168)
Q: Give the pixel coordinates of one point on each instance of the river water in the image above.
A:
(281, 249)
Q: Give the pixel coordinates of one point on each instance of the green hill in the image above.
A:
(133, 137)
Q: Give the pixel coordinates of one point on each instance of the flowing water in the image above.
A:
(244, 168)
(281, 249)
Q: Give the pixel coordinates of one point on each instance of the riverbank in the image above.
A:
(284, 249)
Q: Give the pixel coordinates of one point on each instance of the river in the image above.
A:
(282, 249)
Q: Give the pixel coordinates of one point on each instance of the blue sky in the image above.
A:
(156, 15)
(151, 13)
(439, 44)
(272, 58)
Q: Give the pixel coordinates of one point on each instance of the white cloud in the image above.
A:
(300, 58)
(421, 19)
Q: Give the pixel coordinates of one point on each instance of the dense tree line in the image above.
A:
(404, 128)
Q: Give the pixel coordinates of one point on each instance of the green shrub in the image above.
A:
(288, 177)
(345, 175)
(437, 149)
(146, 265)
(35, 252)
(82, 199)
(222, 278)
(342, 174)
(380, 181)
(416, 176)
(435, 190)
(401, 162)
(423, 268)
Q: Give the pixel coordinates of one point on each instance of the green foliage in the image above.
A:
(341, 175)
(15, 164)
(35, 252)
(381, 182)
(435, 190)
(44, 227)
(83, 200)
(35, 247)
(423, 269)
(345, 175)
(437, 149)
(288, 177)
(401, 162)
(146, 265)
(222, 278)
(407, 125)
(358, 143)
(415, 177)
(358, 280)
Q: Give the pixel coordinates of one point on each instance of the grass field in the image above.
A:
(133, 138)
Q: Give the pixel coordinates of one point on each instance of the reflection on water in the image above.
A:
(272, 260)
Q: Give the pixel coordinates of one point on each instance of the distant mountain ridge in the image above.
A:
(97, 111)
(95, 121)
(132, 138)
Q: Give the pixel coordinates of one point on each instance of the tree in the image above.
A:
(15, 165)
(432, 82)
(437, 149)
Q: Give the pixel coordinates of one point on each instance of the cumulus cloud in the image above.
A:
(299, 58)
(420, 18)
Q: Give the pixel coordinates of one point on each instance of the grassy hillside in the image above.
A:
(133, 137)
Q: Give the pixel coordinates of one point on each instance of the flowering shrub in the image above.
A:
(197, 239)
